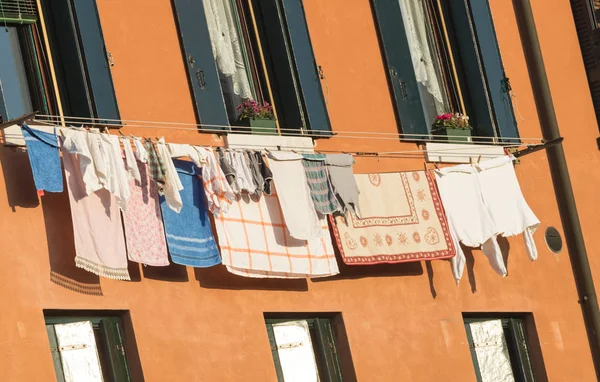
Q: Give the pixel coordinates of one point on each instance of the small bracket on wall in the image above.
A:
(512, 151)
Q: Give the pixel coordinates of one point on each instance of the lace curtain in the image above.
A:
(424, 60)
(227, 51)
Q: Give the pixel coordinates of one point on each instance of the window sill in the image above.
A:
(459, 153)
(270, 142)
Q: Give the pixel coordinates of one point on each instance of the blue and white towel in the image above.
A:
(189, 234)
(44, 158)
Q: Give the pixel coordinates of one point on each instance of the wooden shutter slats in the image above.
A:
(401, 73)
(200, 64)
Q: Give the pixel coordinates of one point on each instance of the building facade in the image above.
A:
(351, 86)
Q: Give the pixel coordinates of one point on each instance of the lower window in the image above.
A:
(499, 349)
(304, 349)
(87, 348)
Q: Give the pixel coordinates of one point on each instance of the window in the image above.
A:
(76, 49)
(442, 56)
(88, 348)
(237, 50)
(499, 349)
(24, 79)
(81, 61)
(304, 350)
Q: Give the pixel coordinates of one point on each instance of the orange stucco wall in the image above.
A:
(404, 323)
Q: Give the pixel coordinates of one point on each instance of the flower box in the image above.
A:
(452, 135)
(259, 126)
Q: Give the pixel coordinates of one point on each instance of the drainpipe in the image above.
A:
(560, 177)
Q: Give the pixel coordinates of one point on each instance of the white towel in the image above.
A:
(178, 150)
(468, 217)
(294, 195)
(75, 142)
(140, 151)
(505, 202)
(132, 166)
(117, 182)
(172, 183)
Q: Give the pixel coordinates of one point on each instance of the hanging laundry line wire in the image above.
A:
(224, 129)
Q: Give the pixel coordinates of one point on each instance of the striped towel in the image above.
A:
(321, 190)
(189, 235)
(255, 242)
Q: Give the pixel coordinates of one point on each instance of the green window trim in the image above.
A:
(111, 347)
(18, 11)
(324, 348)
(516, 339)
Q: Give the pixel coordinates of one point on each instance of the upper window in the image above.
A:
(304, 350)
(88, 348)
(238, 51)
(499, 349)
(443, 57)
(24, 79)
(72, 41)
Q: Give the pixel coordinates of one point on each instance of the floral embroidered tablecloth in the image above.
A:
(402, 220)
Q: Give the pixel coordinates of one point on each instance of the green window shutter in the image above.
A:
(516, 337)
(328, 350)
(486, 84)
(85, 80)
(304, 60)
(94, 51)
(200, 63)
(274, 351)
(280, 65)
(400, 69)
(494, 71)
(18, 11)
(113, 337)
(58, 369)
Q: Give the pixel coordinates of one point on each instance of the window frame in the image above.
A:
(481, 79)
(41, 92)
(111, 349)
(294, 89)
(517, 343)
(325, 349)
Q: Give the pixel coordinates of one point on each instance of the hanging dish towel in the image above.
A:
(143, 224)
(402, 220)
(130, 162)
(469, 219)
(75, 142)
(339, 167)
(155, 165)
(294, 195)
(97, 227)
(219, 194)
(44, 158)
(173, 186)
(140, 151)
(117, 182)
(189, 235)
(255, 242)
(321, 190)
(505, 202)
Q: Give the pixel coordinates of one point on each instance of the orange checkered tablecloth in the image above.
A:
(255, 242)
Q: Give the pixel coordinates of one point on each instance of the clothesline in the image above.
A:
(456, 152)
(222, 129)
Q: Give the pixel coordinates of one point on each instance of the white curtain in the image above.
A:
(296, 354)
(78, 352)
(226, 46)
(492, 351)
(416, 25)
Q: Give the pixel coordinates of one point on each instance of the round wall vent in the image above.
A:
(553, 239)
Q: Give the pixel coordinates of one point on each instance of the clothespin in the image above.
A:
(471, 160)
(378, 159)
(425, 166)
(437, 167)
(121, 133)
(479, 159)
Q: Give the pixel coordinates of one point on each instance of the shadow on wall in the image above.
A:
(218, 277)
(18, 178)
(470, 258)
(61, 247)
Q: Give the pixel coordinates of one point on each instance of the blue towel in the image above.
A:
(189, 234)
(44, 158)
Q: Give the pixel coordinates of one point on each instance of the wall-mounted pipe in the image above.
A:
(560, 177)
